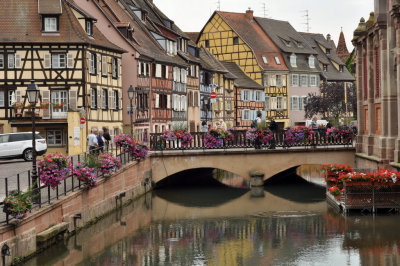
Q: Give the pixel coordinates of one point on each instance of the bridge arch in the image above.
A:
(241, 162)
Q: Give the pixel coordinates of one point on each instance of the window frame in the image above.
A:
(303, 77)
(116, 99)
(104, 99)
(235, 40)
(57, 28)
(55, 144)
(93, 96)
(297, 80)
(57, 55)
(3, 101)
(9, 56)
(293, 60)
(246, 111)
(313, 84)
(89, 27)
(2, 65)
(114, 67)
(311, 61)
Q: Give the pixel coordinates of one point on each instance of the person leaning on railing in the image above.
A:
(92, 141)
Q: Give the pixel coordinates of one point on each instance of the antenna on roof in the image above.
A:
(265, 9)
(219, 5)
(307, 23)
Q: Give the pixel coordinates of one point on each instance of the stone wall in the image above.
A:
(133, 179)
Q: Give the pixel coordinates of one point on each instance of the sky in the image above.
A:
(326, 16)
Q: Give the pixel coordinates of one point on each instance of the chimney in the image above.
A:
(249, 14)
(328, 37)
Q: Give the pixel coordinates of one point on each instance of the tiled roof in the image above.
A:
(302, 65)
(252, 34)
(285, 36)
(242, 80)
(209, 62)
(193, 35)
(342, 51)
(315, 40)
(49, 7)
(21, 23)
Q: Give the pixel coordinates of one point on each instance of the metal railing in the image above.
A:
(21, 182)
(320, 139)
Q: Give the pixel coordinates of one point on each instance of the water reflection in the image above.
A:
(239, 230)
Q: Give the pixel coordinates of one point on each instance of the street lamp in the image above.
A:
(206, 103)
(131, 94)
(33, 94)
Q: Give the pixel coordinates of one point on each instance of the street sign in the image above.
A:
(83, 121)
(213, 95)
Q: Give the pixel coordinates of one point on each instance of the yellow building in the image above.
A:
(236, 37)
(77, 70)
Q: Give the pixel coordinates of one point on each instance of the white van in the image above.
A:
(19, 145)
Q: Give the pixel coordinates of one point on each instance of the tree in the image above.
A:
(331, 102)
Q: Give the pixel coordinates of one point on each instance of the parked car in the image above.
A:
(19, 145)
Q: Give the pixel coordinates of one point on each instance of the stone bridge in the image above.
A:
(241, 161)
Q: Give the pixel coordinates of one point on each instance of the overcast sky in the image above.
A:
(326, 16)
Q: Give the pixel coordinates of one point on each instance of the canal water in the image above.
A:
(284, 224)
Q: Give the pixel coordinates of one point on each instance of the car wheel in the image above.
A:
(27, 155)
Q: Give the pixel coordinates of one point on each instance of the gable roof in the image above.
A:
(317, 40)
(242, 80)
(285, 36)
(209, 62)
(20, 22)
(254, 36)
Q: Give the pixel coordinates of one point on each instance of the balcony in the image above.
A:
(179, 87)
(179, 115)
(205, 88)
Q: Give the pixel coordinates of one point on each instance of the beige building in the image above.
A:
(77, 70)
(377, 43)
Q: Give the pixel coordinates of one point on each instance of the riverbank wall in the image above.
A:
(21, 236)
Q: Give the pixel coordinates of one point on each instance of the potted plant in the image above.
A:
(54, 168)
(18, 204)
(335, 191)
(44, 105)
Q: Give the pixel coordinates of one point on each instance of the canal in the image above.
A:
(213, 224)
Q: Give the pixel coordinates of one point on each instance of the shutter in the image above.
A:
(291, 103)
(267, 103)
(97, 64)
(178, 75)
(120, 100)
(158, 71)
(283, 80)
(263, 96)
(182, 75)
(242, 95)
(109, 95)
(73, 100)
(47, 60)
(242, 115)
(18, 96)
(274, 103)
(251, 98)
(266, 80)
(168, 101)
(284, 102)
(70, 60)
(157, 103)
(166, 72)
(99, 99)
(90, 63)
(46, 98)
(17, 60)
(174, 73)
(119, 67)
(104, 65)
(254, 96)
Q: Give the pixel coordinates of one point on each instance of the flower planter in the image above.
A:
(358, 184)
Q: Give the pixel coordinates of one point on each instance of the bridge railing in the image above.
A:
(280, 139)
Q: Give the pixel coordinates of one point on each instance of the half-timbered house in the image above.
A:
(77, 70)
(249, 97)
(237, 37)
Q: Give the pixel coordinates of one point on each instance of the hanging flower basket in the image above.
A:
(17, 205)
(86, 175)
(108, 163)
(54, 168)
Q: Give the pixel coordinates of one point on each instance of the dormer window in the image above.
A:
(287, 43)
(341, 68)
(264, 59)
(89, 27)
(328, 51)
(293, 60)
(325, 68)
(299, 44)
(311, 61)
(50, 24)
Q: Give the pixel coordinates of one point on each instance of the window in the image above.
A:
(264, 59)
(104, 65)
(104, 98)
(328, 51)
(2, 102)
(11, 61)
(341, 70)
(116, 107)
(11, 97)
(50, 24)
(295, 80)
(93, 98)
(89, 27)
(54, 137)
(295, 103)
(325, 68)
(114, 67)
(163, 71)
(235, 40)
(1, 61)
(303, 80)
(311, 61)
(278, 62)
(207, 43)
(313, 80)
(258, 96)
(246, 95)
(59, 97)
(299, 44)
(293, 60)
(58, 60)
(92, 63)
(278, 80)
(279, 103)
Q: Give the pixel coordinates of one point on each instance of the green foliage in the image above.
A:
(263, 125)
(350, 62)
(179, 126)
(91, 160)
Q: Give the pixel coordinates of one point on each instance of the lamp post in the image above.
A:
(33, 94)
(206, 103)
(131, 94)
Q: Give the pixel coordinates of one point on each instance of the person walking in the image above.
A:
(273, 126)
(100, 140)
(107, 138)
(256, 122)
(204, 127)
(314, 127)
(92, 141)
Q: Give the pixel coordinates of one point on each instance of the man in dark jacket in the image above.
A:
(273, 126)
(107, 137)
